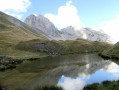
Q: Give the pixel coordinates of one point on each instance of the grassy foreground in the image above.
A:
(106, 85)
(38, 88)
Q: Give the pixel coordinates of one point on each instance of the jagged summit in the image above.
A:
(42, 24)
(47, 28)
(85, 33)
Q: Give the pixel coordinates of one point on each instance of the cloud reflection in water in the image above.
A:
(109, 72)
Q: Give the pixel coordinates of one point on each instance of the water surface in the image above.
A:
(72, 72)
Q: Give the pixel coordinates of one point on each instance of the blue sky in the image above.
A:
(91, 12)
(96, 14)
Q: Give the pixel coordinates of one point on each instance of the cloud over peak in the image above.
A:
(67, 16)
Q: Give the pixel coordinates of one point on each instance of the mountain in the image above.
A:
(71, 33)
(42, 25)
(40, 37)
(13, 31)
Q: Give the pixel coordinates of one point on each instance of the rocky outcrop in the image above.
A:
(53, 49)
(8, 63)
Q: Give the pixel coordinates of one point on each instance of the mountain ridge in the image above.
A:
(15, 33)
(69, 33)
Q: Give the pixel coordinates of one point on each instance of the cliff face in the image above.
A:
(47, 28)
(44, 26)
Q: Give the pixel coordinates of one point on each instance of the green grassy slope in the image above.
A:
(84, 46)
(12, 31)
(112, 52)
(62, 47)
(105, 85)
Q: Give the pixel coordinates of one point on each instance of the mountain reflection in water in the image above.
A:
(72, 72)
(95, 72)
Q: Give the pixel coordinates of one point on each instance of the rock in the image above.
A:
(42, 25)
(4, 59)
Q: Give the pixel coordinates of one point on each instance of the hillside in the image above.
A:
(112, 52)
(19, 40)
(13, 31)
(62, 47)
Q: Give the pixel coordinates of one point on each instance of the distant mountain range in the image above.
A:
(45, 27)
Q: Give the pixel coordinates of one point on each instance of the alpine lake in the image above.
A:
(71, 72)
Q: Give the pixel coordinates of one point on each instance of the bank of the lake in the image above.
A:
(7, 63)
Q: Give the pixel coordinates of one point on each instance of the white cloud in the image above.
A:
(113, 68)
(72, 84)
(14, 7)
(111, 27)
(67, 16)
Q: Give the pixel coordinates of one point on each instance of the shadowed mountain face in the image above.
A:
(42, 24)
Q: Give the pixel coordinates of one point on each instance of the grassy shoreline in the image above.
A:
(105, 85)
(7, 63)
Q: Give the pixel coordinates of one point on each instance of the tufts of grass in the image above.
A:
(43, 88)
(49, 88)
(106, 85)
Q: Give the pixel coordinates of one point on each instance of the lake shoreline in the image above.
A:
(5, 61)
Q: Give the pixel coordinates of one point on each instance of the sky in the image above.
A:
(95, 14)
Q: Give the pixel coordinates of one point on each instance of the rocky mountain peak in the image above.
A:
(42, 24)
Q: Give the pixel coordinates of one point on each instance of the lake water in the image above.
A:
(71, 72)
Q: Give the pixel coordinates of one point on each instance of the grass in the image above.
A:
(44, 88)
(106, 85)
(11, 34)
(112, 53)
(63, 47)
(49, 88)
(83, 46)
